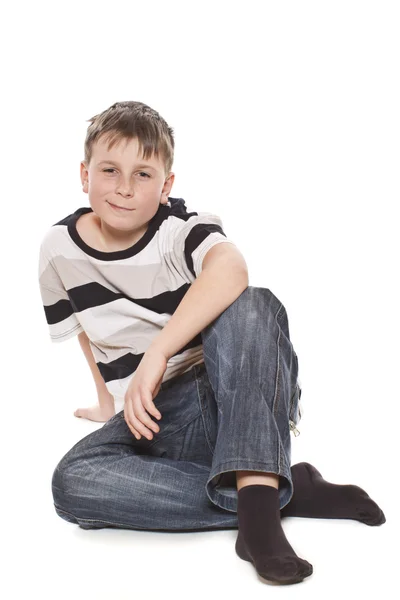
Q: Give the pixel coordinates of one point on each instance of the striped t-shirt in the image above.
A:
(123, 299)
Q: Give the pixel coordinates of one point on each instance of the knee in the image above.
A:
(258, 302)
(61, 481)
(58, 483)
(60, 493)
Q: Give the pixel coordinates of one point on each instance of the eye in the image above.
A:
(141, 173)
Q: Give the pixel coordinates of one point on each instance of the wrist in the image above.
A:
(155, 348)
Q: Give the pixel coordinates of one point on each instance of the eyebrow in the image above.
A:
(139, 166)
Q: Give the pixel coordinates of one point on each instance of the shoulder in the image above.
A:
(181, 218)
(54, 234)
(48, 240)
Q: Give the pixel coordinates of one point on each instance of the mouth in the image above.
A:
(119, 208)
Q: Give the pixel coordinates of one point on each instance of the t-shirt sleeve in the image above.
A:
(194, 239)
(61, 319)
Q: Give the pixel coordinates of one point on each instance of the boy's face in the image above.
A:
(122, 178)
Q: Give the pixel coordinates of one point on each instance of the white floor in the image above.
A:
(54, 558)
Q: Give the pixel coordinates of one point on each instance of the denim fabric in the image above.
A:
(233, 412)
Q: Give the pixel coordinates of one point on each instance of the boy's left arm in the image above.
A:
(223, 278)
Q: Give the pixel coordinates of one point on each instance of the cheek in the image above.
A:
(98, 192)
(100, 189)
(101, 184)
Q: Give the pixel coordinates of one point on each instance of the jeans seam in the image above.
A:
(204, 415)
(278, 370)
(246, 459)
(96, 520)
(278, 376)
(224, 467)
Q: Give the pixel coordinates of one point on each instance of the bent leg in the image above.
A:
(251, 380)
(111, 479)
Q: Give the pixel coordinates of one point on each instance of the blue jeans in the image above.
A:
(233, 412)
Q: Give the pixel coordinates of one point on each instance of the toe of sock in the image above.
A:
(378, 518)
(283, 568)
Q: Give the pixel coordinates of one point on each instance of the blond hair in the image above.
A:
(129, 120)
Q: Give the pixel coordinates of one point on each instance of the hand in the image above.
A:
(142, 390)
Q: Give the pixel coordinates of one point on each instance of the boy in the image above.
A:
(171, 328)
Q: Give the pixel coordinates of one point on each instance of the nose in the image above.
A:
(125, 188)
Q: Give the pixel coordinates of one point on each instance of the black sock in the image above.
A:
(315, 497)
(261, 539)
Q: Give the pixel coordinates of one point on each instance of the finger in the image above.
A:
(133, 430)
(142, 428)
(151, 407)
(128, 414)
(144, 424)
(145, 418)
(141, 407)
(133, 422)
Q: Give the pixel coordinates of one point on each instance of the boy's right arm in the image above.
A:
(64, 324)
(106, 399)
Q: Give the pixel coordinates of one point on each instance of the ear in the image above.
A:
(84, 176)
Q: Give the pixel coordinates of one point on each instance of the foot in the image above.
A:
(316, 498)
(95, 413)
(261, 539)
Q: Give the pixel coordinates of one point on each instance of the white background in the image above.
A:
(286, 122)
